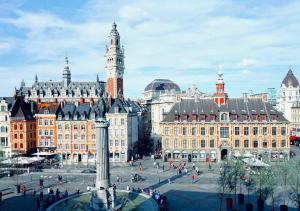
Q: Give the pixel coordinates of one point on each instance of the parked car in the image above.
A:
(88, 171)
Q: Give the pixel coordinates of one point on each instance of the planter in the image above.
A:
(260, 204)
(17, 188)
(249, 207)
(283, 207)
(241, 198)
(229, 203)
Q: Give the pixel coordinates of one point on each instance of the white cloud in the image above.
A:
(133, 14)
(248, 62)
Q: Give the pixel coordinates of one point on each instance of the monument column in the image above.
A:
(102, 159)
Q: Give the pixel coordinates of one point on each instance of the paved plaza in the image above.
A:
(182, 193)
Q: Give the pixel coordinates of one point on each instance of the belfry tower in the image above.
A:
(220, 96)
(114, 64)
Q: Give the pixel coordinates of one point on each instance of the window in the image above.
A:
(184, 144)
(82, 137)
(255, 131)
(246, 131)
(265, 144)
(40, 132)
(193, 131)
(75, 146)
(83, 147)
(193, 144)
(15, 136)
(67, 126)
(75, 136)
(21, 137)
(283, 143)
(224, 132)
(51, 132)
(167, 130)
(283, 131)
(202, 131)
(59, 126)
(224, 117)
(202, 143)
(93, 136)
(122, 121)
(122, 143)
(184, 131)
(122, 132)
(51, 122)
(116, 132)
(46, 122)
(273, 131)
(111, 143)
(46, 132)
(246, 143)
(264, 131)
(75, 126)
(116, 143)
(21, 127)
(255, 144)
(67, 136)
(67, 146)
(16, 145)
(40, 122)
(211, 131)
(82, 127)
(175, 142)
(273, 143)
(175, 131)
(212, 143)
(21, 145)
(236, 143)
(59, 136)
(15, 127)
(236, 131)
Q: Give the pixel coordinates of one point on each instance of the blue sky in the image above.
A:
(252, 42)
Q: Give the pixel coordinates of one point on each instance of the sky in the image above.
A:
(253, 43)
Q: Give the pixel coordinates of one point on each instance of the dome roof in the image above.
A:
(162, 85)
(290, 80)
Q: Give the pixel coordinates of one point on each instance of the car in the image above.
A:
(88, 171)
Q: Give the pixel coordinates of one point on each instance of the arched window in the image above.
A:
(117, 42)
(224, 117)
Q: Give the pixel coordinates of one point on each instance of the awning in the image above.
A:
(176, 151)
(255, 162)
(184, 152)
(43, 153)
(195, 152)
(167, 151)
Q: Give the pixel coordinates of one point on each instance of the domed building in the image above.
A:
(158, 87)
(289, 94)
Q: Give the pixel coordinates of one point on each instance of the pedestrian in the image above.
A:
(66, 194)
(34, 193)
(209, 167)
(57, 194)
(0, 197)
(41, 195)
(185, 170)
(128, 188)
(48, 190)
(193, 178)
(78, 191)
(169, 180)
(38, 203)
(24, 190)
(194, 166)
(163, 168)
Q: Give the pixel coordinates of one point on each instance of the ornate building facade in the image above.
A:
(289, 94)
(5, 142)
(212, 129)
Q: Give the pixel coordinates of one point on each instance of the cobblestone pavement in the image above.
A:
(182, 193)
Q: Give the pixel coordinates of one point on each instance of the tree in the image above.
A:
(282, 171)
(237, 171)
(294, 181)
(223, 181)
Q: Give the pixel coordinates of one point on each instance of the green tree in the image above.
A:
(294, 180)
(223, 181)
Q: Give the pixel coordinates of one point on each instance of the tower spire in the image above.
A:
(66, 73)
(36, 78)
(97, 78)
(114, 63)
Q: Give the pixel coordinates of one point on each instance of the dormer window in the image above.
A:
(212, 117)
(82, 116)
(176, 117)
(273, 117)
(116, 109)
(93, 115)
(255, 117)
(245, 117)
(194, 117)
(59, 117)
(263, 117)
(224, 116)
(184, 117)
(67, 117)
(46, 111)
(202, 117)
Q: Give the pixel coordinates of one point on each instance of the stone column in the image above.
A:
(102, 159)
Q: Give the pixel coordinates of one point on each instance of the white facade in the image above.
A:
(5, 144)
(289, 94)
(123, 136)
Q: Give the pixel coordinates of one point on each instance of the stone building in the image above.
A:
(212, 129)
(5, 143)
(46, 127)
(23, 127)
(295, 122)
(289, 94)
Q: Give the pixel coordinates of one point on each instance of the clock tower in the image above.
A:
(114, 64)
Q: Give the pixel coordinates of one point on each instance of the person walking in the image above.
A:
(41, 195)
(0, 197)
(193, 166)
(34, 193)
(169, 180)
(163, 168)
(193, 178)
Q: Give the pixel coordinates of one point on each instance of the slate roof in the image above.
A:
(50, 108)
(233, 106)
(68, 109)
(290, 80)
(22, 110)
(162, 85)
